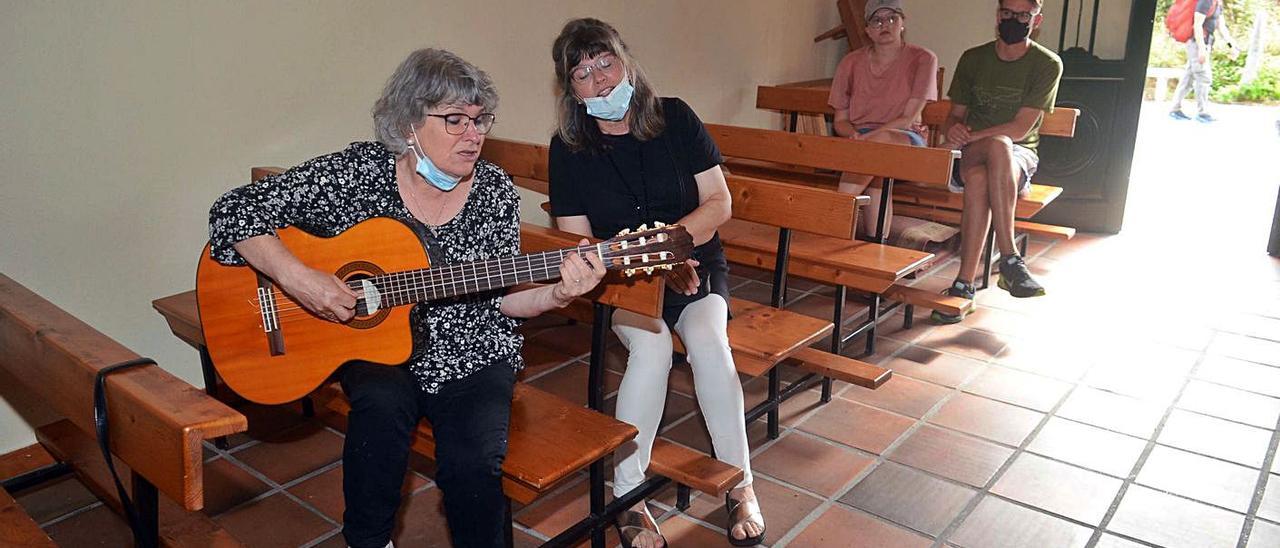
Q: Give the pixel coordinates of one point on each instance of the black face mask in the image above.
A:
(1013, 31)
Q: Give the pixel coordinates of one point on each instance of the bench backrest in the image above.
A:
(1059, 123)
(807, 209)
(918, 164)
(158, 421)
(811, 98)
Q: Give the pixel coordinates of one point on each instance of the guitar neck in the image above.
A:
(443, 282)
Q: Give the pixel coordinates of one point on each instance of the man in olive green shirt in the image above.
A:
(1000, 93)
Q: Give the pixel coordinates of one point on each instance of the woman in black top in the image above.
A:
(622, 157)
(424, 170)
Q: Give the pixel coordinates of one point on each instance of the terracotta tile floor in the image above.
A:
(1100, 415)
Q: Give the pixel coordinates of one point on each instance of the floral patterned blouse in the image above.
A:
(327, 195)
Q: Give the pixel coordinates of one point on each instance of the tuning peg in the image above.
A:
(624, 232)
(667, 266)
(629, 272)
(659, 224)
(643, 228)
(648, 270)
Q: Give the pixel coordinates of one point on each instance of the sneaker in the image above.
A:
(957, 289)
(1204, 118)
(1179, 115)
(1016, 279)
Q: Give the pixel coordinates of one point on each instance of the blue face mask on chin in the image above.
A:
(612, 107)
(428, 170)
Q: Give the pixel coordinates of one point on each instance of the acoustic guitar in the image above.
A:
(269, 349)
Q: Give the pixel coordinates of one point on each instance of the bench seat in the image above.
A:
(864, 266)
(17, 528)
(550, 439)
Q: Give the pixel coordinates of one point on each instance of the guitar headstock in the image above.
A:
(646, 249)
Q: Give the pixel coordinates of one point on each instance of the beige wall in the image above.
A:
(123, 120)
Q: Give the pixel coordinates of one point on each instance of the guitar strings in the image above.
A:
(417, 283)
(411, 286)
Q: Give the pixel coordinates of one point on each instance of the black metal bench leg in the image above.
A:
(775, 398)
(873, 316)
(146, 499)
(908, 315)
(508, 529)
(597, 501)
(837, 336)
(595, 373)
(211, 388)
(682, 497)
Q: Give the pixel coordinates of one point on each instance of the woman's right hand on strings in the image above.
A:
(321, 293)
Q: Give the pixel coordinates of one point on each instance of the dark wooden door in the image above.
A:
(1093, 167)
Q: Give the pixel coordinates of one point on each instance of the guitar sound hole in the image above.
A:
(363, 270)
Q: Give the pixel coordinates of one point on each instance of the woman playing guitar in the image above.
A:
(425, 170)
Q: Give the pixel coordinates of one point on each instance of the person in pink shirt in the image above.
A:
(878, 93)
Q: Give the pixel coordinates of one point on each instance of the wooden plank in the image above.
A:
(864, 259)
(256, 173)
(1047, 231)
(182, 315)
(810, 97)
(26, 459)
(17, 529)
(840, 367)
(179, 527)
(1028, 206)
(693, 468)
(1059, 123)
(517, 158)
(804, 97)
(952, 217)
(56, 355)
(763, 336)
(813, 210)
(640, 293)
(902, 162)
(946, 304)
(549, 439)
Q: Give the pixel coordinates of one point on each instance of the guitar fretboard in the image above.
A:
(429, 284)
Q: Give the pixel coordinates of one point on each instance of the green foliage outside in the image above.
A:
(1226, 72)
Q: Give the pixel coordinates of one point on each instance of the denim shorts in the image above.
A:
(1024, 158)
(917, 140)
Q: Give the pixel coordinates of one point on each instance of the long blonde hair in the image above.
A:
(585, 38)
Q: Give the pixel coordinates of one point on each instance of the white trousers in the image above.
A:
(702, 327)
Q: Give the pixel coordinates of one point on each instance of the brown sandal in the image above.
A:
(742, 512)
(632, 524)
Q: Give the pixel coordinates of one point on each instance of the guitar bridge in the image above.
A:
(270, 316)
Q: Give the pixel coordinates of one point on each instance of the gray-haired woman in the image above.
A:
(425, 170)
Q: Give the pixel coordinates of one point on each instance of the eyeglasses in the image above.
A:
(607, 63)
(880, 22)
(456, 123)
(1021, 16)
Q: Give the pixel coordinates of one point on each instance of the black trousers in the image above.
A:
(469, 419)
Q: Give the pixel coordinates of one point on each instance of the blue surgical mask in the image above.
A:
(428, 170)
(612, 107)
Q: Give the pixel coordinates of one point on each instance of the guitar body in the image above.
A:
(294, 358)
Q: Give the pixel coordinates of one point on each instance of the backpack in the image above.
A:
(1181, 19)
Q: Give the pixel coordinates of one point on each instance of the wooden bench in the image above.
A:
(925, 201)
(834, 257)
(158, 422)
